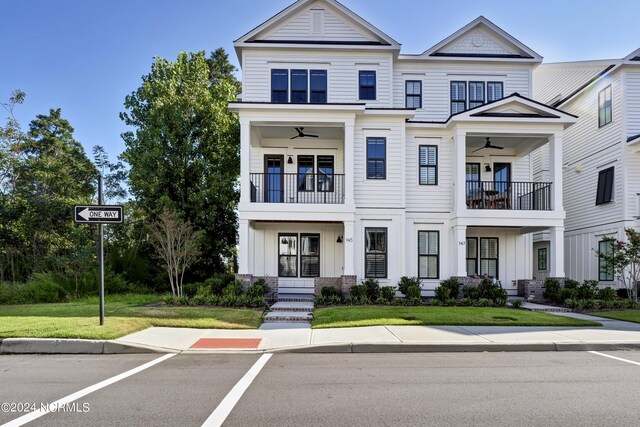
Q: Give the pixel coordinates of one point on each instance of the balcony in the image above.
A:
(509, 195)
(307, 188)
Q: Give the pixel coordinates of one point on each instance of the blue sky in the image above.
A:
(85, 56)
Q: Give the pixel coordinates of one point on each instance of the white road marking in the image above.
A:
(229, 402)
(614, 357)
(77, 395)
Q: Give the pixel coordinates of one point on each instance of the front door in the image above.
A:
(501, 176)
(273, 178)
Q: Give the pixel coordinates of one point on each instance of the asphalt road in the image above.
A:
(437, 389)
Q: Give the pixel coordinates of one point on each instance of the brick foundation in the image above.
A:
(272, 282)
(347, 283)
(323, 282)
(532, 289)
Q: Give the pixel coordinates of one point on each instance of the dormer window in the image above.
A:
(279, 85)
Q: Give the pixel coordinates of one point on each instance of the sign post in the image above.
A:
(100, 214)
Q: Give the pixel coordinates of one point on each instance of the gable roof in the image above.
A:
(370, 35)
(633, 56)
(481, 39)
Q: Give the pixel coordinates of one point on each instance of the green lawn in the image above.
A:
(343, 317)
(626, 315)
(124, 314)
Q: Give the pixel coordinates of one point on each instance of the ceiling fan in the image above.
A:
(301, 134)
(489, 145)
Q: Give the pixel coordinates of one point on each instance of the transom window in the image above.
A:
(375, 253)
(413, 94)
(604, 106)
(279, 85)
(428, 254)
(605, 247)
(376, 158)
(299, 86)
(605, 186)
(367, 83)
(428, 159)
(489, 256)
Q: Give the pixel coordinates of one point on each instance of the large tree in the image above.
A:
(184, 150)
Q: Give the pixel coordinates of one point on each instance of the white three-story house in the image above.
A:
(359, 161)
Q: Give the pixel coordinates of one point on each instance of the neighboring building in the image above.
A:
(359, 161)
(601, 156)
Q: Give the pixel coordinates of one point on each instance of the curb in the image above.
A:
(68, 346)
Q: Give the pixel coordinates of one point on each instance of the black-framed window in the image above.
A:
(376, 158)
(309, 255)
(428, 165)
(605, 186)
(542, 259)
(489, 256)
(287, 255)
(367, 84)
(299, 86)
(428, 254)
(605, 112)
(605, 247)
(413, 93)
(476, 94)
(305, 173)
(495, 91)
(318, 86)
(458, 97)
(279, 85)
(326, 173)
(375, 253)
(472, 255)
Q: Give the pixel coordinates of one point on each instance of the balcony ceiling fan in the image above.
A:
(301, 134)
(489, 145)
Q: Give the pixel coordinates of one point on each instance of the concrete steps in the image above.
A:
(291, 308)
(306, 306)
(288, 316)
(296, 298)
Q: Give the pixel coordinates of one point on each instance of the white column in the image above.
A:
(459, 251)
(347, 240)
(245, 162)
(557, 252)
(244, 247)
(555, 167)
(459, 162)
(349, 163)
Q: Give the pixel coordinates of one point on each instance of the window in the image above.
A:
(604, 106)
(428, 254)
(413, 93)
(375, 253)
(318, 86)
(305, 173)
(476, 94)
(287, 255)
(605, 186)
(325, 173)
(495, 91)
(376, 158)
(309, 255)
(472, 256)
(367, 82)
(458, 97)
(299, 86)
(542, 259)
(605, 247)
(279, 85)
(489, 257)
(428, 159)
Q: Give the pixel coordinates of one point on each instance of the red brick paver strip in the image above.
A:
(227, 343)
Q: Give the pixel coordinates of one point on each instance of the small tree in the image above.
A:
(623, 260)
(177, 244)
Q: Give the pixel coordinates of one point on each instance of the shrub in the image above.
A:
(405, 282)
(571, 284)
(216, 284)
(587, 290)
(372, 288)
(517, 303)
(199, 300)
(387, 293)
(484, 302)
(551, 290)
(567, 293)
(486, 290)
(413, 294)
(358, 293)
(334, 300)
(607, 294)
(466, 302)
(330, 291)
(182, 300)
(471, 292)
(447, 289)
(442, 293)
(168, 299)
(320, 300)
(622, 293)
(233, 288)
(189, 290)
(257, 289)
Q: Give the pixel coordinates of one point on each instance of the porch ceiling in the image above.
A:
(519, 145)
(286, 131)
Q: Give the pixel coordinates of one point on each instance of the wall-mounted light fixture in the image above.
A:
(290, 160)
(487, 167)
(339, 239)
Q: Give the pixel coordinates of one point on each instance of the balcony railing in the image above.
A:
(297, 188)
(503, 195)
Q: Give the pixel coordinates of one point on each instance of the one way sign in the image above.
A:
(99, 214)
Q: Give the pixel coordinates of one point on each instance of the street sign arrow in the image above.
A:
(100, 214)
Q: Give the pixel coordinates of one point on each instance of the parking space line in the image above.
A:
(77, 395)
(614, 357)
(231, 399)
